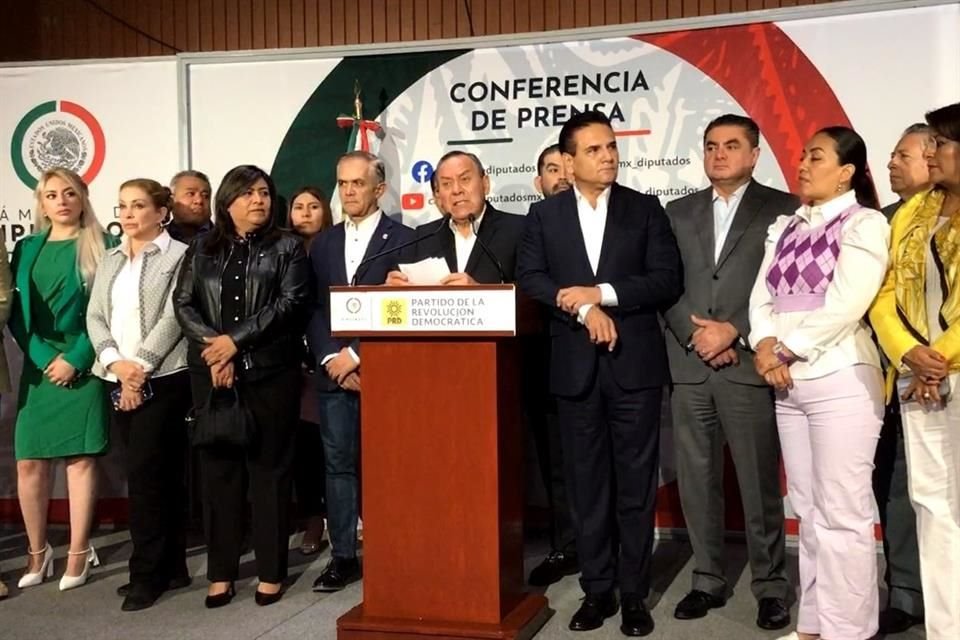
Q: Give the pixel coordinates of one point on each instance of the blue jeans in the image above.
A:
(340, 431)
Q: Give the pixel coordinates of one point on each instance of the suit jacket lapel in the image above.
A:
(610, 228)
(747, 210)
(485, 233)
(338, 244)
(380, 237)
(29, 253)
(703, 220)
(571, 224)
(448, 248)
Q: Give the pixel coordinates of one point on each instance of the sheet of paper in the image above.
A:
(428, 271)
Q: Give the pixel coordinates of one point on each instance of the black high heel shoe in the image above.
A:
(265, 599)
(220, 599)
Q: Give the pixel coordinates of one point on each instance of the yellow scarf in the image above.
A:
(920, 215)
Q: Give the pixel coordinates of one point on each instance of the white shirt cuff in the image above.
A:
(608, 295)
(582, 313)
(331, 356)
(109, 356)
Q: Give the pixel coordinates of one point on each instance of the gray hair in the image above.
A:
(921, 128)
(188, 173)
(377, 167)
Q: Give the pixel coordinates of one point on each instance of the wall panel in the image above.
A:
(72, 29)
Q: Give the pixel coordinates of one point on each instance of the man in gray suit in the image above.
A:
(909, 175)
(717, 395)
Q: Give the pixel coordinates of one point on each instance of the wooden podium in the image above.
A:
(441, 459)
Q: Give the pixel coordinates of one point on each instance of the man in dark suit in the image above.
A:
(717, 395)
(478, 242)
(338, 256)
(909, 175)
(542, 414)
(604, 259)
(191, 205)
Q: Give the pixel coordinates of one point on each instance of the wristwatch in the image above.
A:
(779, 350)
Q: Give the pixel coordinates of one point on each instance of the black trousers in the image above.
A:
(308, 476)
(897, 519)
(155, 439)
(274, 402)
(540, 412)
(611, 440)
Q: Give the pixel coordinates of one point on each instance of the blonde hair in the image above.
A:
(90, 243)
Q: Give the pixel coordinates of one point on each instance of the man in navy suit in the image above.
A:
(338, 257)
(480, 243)
(604, 259)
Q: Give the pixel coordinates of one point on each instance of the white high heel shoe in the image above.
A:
(72, 582)
(46, 569)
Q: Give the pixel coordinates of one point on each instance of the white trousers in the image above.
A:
(829, 428)
(932, 441)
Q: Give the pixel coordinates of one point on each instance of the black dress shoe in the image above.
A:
(596, 608)
(339, 573)
(553, 568)
(221, 599)
(895, 620)
(265, 599)
(140, 596)
(175, 583)
(696, 604)
(635, 619)
(773, 613)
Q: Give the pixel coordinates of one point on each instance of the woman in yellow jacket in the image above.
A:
(917, 320)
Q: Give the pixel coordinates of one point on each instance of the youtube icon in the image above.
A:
(412, 201)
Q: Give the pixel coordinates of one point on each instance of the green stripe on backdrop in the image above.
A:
(309, 151)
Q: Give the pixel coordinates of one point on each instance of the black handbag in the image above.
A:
(223, 420)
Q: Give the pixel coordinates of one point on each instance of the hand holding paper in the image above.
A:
(429, 271)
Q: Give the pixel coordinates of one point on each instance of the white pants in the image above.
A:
(829, 428)
(932, 441)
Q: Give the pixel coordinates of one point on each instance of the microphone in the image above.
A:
(444, 224)
(473, 225)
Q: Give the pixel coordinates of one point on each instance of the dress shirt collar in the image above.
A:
(829, 209)
(736, 196)
(161, 242)
(581, 199)
(368, 224)
(479, 219)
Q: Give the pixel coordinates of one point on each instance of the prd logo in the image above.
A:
(57, 133)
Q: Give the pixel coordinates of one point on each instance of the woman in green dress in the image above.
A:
(61, 409)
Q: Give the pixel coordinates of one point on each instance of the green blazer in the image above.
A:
(71, 316)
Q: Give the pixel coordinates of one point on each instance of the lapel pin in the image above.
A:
(386, 235)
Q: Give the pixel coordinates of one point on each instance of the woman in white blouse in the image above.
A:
(142, 352)
(822, 269)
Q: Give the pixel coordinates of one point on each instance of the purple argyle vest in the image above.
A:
(804, 263)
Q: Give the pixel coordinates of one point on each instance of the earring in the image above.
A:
(840, 187)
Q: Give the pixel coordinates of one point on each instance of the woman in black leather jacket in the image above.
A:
(242, 300)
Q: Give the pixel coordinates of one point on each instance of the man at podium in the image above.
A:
(605, 285)
(478, 242)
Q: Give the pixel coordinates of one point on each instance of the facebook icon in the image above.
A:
(422, 171)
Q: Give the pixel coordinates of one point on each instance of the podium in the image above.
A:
(441, 452)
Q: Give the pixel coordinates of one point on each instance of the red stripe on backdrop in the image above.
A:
(769, 76)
